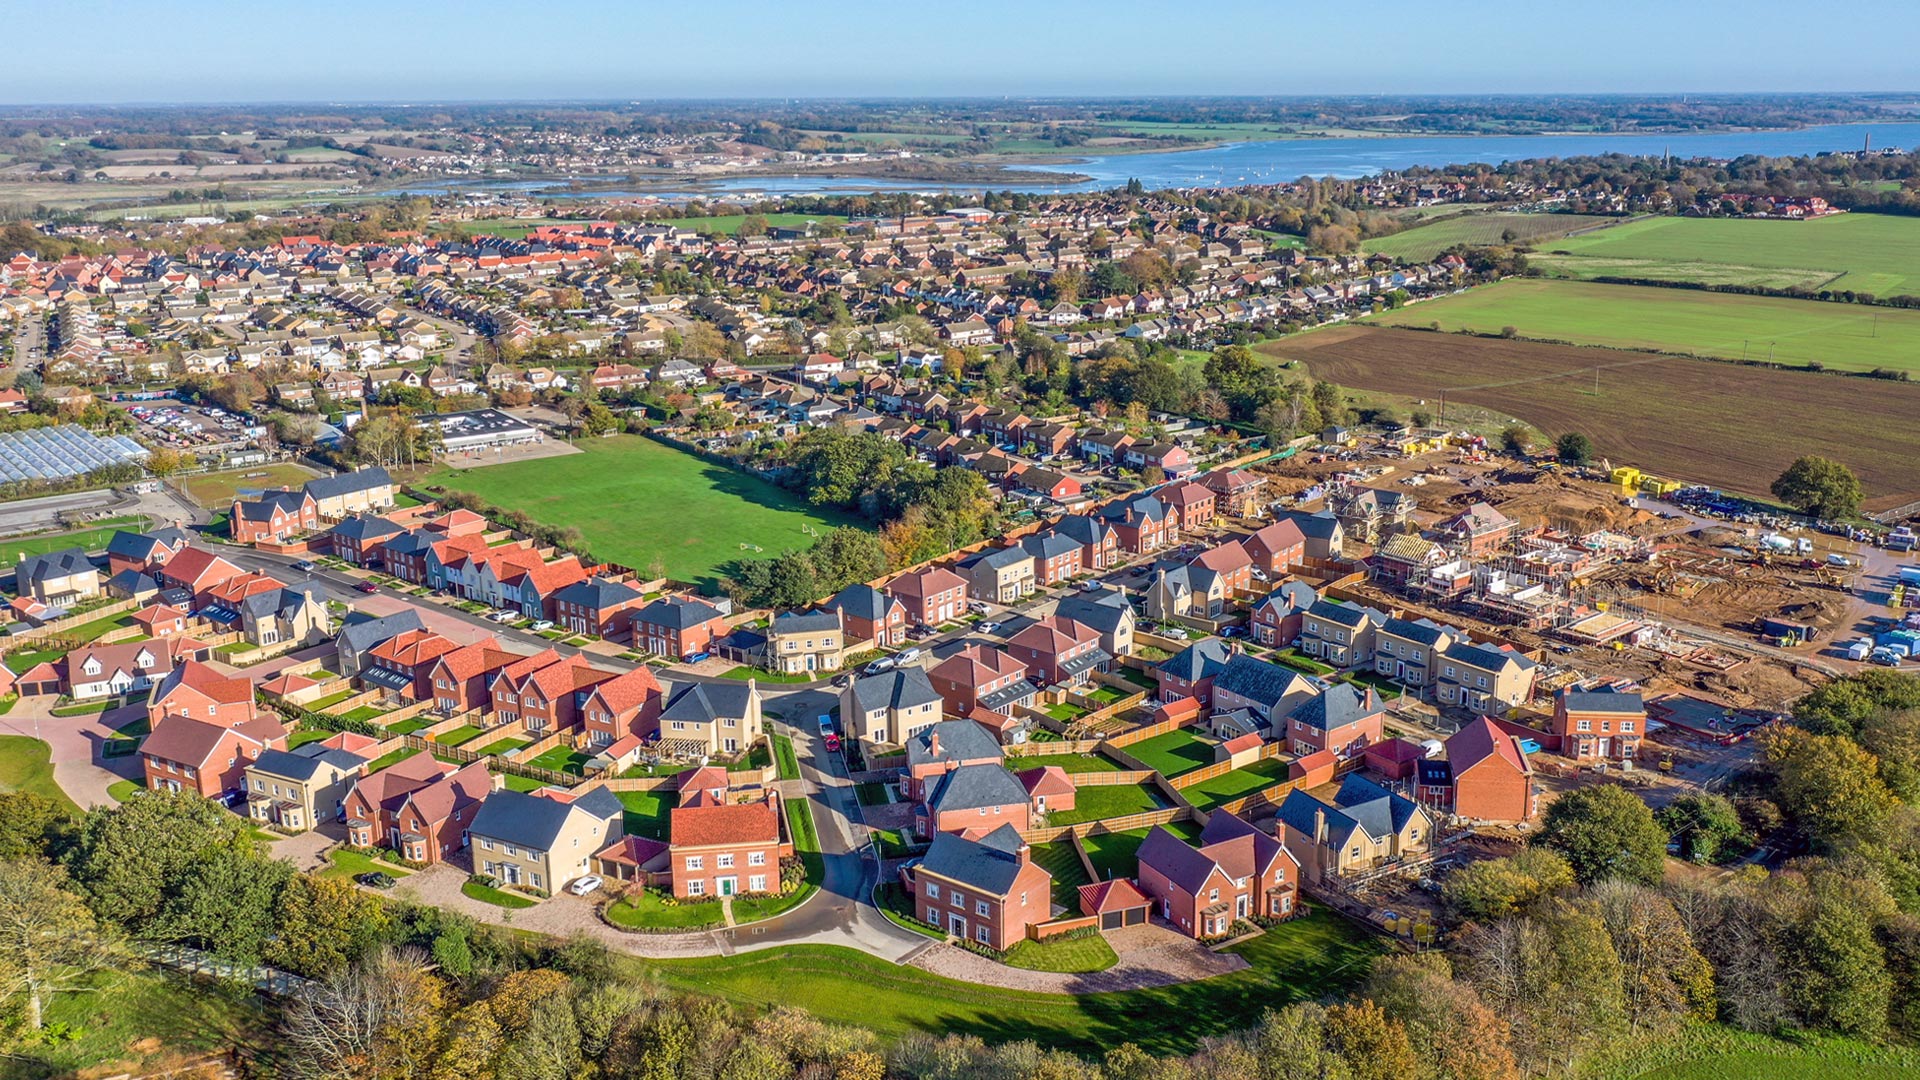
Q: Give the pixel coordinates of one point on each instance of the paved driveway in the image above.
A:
(75, 742)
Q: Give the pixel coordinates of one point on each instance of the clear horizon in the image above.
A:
(354, 52)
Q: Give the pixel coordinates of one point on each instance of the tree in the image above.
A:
(133, 859)
(49, 940)
(1705, 825)
(1573, 448)
(30, 824)
(1449, 1026)
(1819, 487)
(1554, 976)
(164, 461)
(1497, 888)
(321, 924)
(1845, 984)
(1291, 1044)
(1516, 439)
(380, 1019)
(1828, 786)
(1663, 977)
(1605, 832)
(1373, 1045)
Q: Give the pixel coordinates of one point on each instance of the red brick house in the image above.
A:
(1477, 530)
(676, 627)
(931, 596)
(460, 677)
(867, 614)
(726, 849)
(626, 706)
(545, 690)
(1237, 872)
(598, 606)
(1141, 524)
(1049, 788)
(1343, 718)
(1484, 776)
(1191, 503)
(206, 756)
(275, 516)
(1237, 491)
(404, 663)
(1058, 650)
(1056, 557)
(983, 889)
(1278, 617)
(419, 807)
(197, 571)
(1598, 726)
(197, 690)
(160, 620)
(981, 677)
(1273, 548)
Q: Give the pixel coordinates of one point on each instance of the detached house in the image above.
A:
(298, 789)
(799, 642)
(931, 596)
(1237, 872)
(1483, 775)
(419, 807)
(870, 615)
(543, 839)
(986, 890)
(1365, 825)
(1599, 726)
(720, 848)
(704, 719)
(1058, 651)
(58, 578)
(981, 677)
(206, 756)
(890, 708)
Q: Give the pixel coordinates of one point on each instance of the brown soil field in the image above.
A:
(1699, 421)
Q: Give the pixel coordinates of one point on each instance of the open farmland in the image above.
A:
(1424, 242)
(1728, 425)
(1874, 253)
(636, 500)
(1852, 337)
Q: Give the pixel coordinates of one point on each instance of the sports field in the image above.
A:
(636, 499)
(1696, 420)
(1873, 253)
(218, 489)
(1850, 337)
(1427, 241)
(730, 223)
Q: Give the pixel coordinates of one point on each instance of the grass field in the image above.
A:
(1424, 242)
(1695, 420)
(1716, 1052)
(1850, 337)
(1875, 253)
(1107, 801)
(1208, 794)
(647, 812)
(1115, 854)
(26, 765)
(1178, 751)
(1300, 960)
(134, 1023)
(218, 489)
(730, 223)
(1089, 952)
(1071, 763)
(716, 514)
(12, 549)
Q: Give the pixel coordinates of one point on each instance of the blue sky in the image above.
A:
(436, 50)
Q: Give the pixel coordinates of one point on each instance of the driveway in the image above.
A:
(1149, 956)
(75, 743)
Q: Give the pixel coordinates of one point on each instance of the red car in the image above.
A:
(833, 743)
(367, 587)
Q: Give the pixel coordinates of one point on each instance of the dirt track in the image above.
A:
(1721, 424)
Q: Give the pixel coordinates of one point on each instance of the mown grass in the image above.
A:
(1875, 253)
(26, 764)
(1066, 955)
(1107, 801)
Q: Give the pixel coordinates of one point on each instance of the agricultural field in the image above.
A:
(1696, 420)
(13, 548)
(217, 490)
(1874, 253)
(1850, 337)
(1424, 242)
(710, 515)
(730, 223)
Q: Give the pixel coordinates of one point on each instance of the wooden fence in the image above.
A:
(1166, 644)
(1201, 775)
(68, 622)
(1110, 779)
(1148, 731)
(1045, 749)
(1145, 819)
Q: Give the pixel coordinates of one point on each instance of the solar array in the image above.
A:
(58, 453)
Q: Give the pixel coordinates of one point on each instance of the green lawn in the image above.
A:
(1426, 242)
(374, 712)
(20, 661)
(647, 811)
(500, 898)
(1853, 337)
(1875, 253)
(718, 514)
(1071, 763)
(300, 738)
(743, 673)
(1087, 952)
(871, 793)
(651, 910)
(730, 223)
(1058, 858)
(1208, 794)
(1108, 801)
(26, 765)
(756, 759)
(89, 631)
(85, 708)
(93, 539)
(322, 704)
(403, 727)
(458, 735)
(217, 490)
(133, 1023)
(516, 782)
(1715, 1052)
(1302, 960)
(392, 757)
(1115, 854)
(897, 904)
(784, 758)
(563, 759)
(349, 864)
(504, 746)
(122, 790)
(1178, 751)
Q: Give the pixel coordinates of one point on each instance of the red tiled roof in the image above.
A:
(735, 823)
(1050, 780)
(628, 690)
(1102, 897)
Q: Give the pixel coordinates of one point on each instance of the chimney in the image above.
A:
(933, 743)
(1320, 826)
(1025, 854)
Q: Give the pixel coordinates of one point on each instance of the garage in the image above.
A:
(1117, 903)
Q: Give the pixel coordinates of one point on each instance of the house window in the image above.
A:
(980, 908)
(932, 890)
(756, 858)
(723, 861)
(1583, 725)
(696, 887)
(1626, 726)
(980, 934)
(695, 862)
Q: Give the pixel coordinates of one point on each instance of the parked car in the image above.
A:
(907, 656)
(885, 663)
(826, 724)
(696, 657)
(979, 607)
(988, 627)
(305, 566)
(1090, 586)
(367, 587)
(585, 885)
(374, 879)
(833, 743)
(543, 624)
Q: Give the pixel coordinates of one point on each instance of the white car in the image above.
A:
(907, 656)
(585, 885)
(543, 624)
(883, 664)
(979, 607)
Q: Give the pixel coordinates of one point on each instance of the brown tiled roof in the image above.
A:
(736, 823)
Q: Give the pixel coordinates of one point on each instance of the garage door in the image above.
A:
(1136, 916)
(1112, 920)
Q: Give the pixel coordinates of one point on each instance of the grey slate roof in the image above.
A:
(1106, 611)
(1480, 657)
(1423, 631)
(1256, 680)
(1180, 861)
(132, 545)
(989, 865)
(361, 631)
(54, 564)
(1205, 657)
(366, 527)
(1603, 702)
(299, 765)
(676, 612)
(530, 821)
(960, 740)
(971, 787)
(706, 702)
(1049, 545)
(1321, 526)
(1083, 530)
(862, 601)
(1000, 558)
(897, 689)
(1338, 705)
(325, 487)
(805, 622)
(1341, 614)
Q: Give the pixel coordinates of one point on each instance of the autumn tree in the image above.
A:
(1663, 977)
(50, 942)
(1605, 832)
(1452, 1030)
(1828, 786)
(1372, 1045)
(1497, 888)
(322, 924)
(382, 1018)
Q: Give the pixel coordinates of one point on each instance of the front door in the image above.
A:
(510, 873)
(728, 886)
(1606, 746)
(957, 925)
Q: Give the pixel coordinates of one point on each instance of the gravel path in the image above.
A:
(1163, 964)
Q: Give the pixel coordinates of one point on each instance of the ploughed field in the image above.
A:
(1853, 337)
(1731, 426)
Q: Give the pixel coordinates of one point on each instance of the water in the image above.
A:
(1279, 160)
